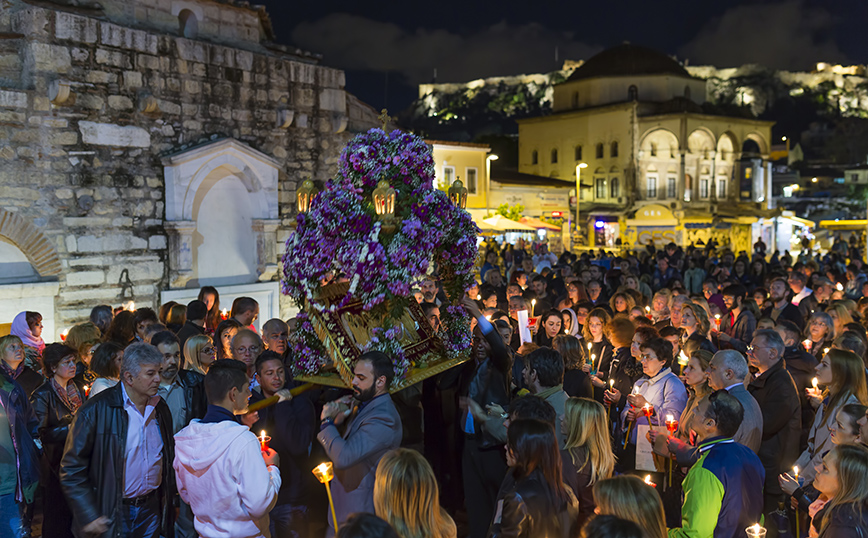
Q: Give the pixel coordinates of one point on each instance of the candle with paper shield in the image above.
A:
(263, 441)
(224, 314)
(755, 531)
(807, 343)
(717, 321)
(648, 312)
(325, 472)
(63, 335)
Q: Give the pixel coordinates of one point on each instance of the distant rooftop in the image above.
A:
(628, 60)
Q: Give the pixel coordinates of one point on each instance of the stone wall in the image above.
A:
(87, 109)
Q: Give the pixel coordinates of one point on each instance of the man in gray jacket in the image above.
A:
(373, 427)
(727, 371)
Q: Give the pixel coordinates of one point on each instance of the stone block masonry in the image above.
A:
(83, 163)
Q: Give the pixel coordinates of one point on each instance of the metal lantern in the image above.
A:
(384, 200)
(458, 194)
(305, 195)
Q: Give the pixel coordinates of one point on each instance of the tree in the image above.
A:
(508, 211)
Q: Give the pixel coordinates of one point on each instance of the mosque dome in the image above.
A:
(628, 60)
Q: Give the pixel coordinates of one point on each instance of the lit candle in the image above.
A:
(611, 384)
(87, 390)
(224, 314)
(648, 410)
(796, 472)
(839, 286)
(755, 531)
(717, 321)
(63, 335)
(671, 423)
(533, 308)
(649, 482)
(263, 441)
(683, 359)
(825, 350)
(478, 297)
(648, 312)
(807, 343)
(816, 383)
(131, 306)
(589, 346)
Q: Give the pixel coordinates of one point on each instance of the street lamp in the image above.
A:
(813, 180)
(579, 194)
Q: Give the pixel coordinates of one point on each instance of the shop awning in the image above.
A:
(539, 224)
(500, 223)
(842, 224)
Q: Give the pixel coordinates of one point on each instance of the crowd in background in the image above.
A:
(681, 392)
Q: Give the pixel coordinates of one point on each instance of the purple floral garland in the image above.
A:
(341, 234)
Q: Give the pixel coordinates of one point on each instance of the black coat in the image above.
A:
(194, 392)
(741, 331)
(92, 467)
(801, 366)
(580, 481)
(790, 312)
(187, 330)
(778, 398)
(528, 512)
(486, 381)
(29, 379)
(54, 419)
(625, 370)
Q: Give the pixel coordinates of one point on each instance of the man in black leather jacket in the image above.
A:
(106, 496)
(485, 380)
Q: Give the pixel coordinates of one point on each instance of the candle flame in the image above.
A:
(839, 286)
(825, 350)
(611, 383)
(224, 312)
(815, 382)
(262, 436)
(589, 346)
(323, 468)
(648, 479)
(131, 306)
(647, 309)
(755, 528)
(796, 471)
(479, 297)
(717, 316)
(669, 417)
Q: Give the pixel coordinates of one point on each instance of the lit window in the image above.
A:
(671, 187)
(470, 175)
(652, 186)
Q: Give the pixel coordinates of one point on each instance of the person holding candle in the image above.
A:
(723, 490)
(597, 350)
(576, 382)
(843, 375)
(539, 503)
(12, 363)
(659, 388)
(570, 322)
(623, 369)
(629, 498)
(800, 364)
(291, 424)
(696, 326)
(226, 331)
(587, 455)
(371, 431)
(552, 325)
(211, 298)
(229, 481)
(55, 403)
(819, 334)
(842, 510)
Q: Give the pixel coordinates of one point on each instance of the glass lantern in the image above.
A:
(458, 194)
(305, 195)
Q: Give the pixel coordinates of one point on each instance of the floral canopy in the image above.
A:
(344, 257)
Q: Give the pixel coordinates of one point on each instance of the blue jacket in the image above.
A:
(25, 429)
(723, 492)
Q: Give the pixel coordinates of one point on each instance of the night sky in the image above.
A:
(387, 48)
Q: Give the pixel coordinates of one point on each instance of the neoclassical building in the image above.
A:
(663, 164)
(150, 147)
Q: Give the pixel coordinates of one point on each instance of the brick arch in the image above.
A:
(34, 244)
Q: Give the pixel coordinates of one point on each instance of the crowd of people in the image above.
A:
(672, 393)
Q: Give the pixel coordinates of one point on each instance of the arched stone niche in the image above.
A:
(221, 215)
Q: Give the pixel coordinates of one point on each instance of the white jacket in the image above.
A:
(222, 476)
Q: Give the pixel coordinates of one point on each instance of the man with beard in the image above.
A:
(818, 299)
(184, 393)
(291, 424)
(373, 427)
(781, 308)
(275, 335)
(429, 291)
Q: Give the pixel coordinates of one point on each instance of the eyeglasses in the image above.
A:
(246, 350)
(646, 357)
(752, 349)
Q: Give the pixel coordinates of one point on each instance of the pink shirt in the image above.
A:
(144, 451)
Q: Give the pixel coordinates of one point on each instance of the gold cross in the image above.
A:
(385, 118)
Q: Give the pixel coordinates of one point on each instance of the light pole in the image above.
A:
(579, 195)
(488, 160)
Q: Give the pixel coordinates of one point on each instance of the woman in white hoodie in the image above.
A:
(230, 484)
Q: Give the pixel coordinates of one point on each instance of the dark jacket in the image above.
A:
(486, 381)
(809, 305)
(801, 364)
(54, 419)
(776, 393)
(92, 467)
(741, 331)
(189, 329)
(578, 477)
(29, 379)
(194, 392)
(603, 352)
(790, 312)
(292, 426)
(577, 384)
(625, 371)
(25, 429)
(844, 522)
(528, 512)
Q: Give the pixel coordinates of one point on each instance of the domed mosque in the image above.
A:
(659, 163)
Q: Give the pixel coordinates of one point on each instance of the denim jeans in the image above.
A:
(289, 521)
(142, 521)
(10, 517)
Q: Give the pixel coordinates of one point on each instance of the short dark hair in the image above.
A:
(102, 363)
(669, 330)
(242, 305)
(364, 525)
(101, 316)
(533, 408)
(661, 347)
(726, 411)
(611, 527)
(790, 328)
(381, 364)
(736, 291)
(53, 354)
(540, 278)
(144, 314)
(266, 356)
(165, 337)
(548, 364)
(223, 374)
(196, 310)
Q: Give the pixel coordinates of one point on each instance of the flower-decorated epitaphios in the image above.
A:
(343, 239)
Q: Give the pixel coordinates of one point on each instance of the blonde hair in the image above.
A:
(192, 347)
(843, 313)
(851, 462)
(586, 426)
(407, 497)
(628, 497)
(848, 378)
(629, 299)
(702, 323)
(82, 337)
